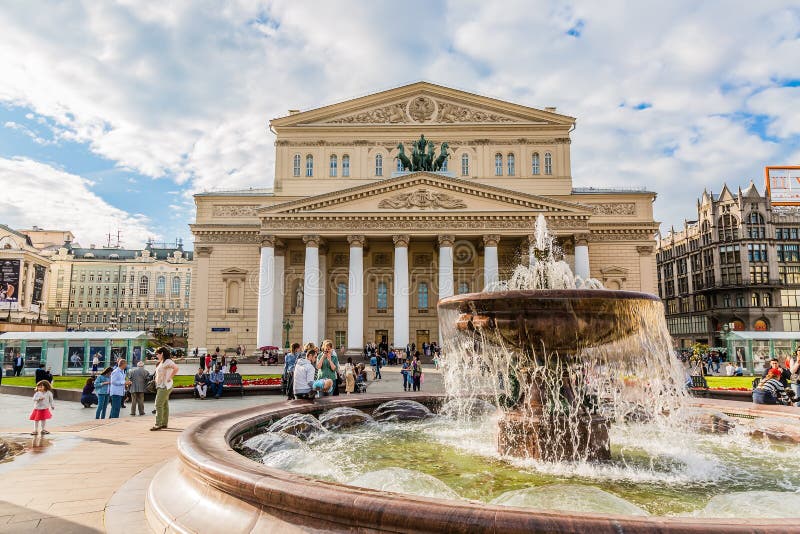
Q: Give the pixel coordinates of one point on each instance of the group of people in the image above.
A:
(210, 362)
(774, 386)
(109, 387)
(209, 382)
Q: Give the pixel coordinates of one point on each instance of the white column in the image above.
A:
(279, 294)
(323, 288)
(355, 295)
(311, 291)
(266, 288)
(401, 290)
(491, 268)
(198, 314)
(445, 265)
(582, 255)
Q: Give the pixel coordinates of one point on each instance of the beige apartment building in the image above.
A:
(351, 245)
(113, 288)
(24, 282)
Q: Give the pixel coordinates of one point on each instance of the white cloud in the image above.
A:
(185, 89)
(38, 194)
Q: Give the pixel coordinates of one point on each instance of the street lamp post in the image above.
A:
(39, 316)
(288, 324)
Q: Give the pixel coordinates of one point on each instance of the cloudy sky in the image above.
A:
(113, 113)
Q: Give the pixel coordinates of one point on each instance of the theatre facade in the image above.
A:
(367, 224)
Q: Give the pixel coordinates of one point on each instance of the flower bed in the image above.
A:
(272, 381)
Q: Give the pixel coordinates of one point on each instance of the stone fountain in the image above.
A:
(543, 339)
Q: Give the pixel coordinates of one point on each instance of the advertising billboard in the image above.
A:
(9, 283)
(38, 283)
(783, 185)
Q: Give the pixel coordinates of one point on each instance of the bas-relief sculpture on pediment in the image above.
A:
(424, 109)
(614, 208)
(235, 210)
(422, 199)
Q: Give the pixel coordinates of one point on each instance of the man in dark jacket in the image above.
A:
(42, 374)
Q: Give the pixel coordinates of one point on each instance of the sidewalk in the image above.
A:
(90, 475)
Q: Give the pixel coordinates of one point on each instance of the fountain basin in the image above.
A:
(560, 320)
(212, 484)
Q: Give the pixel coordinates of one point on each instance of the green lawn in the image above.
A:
(730, 381)
(78, 381)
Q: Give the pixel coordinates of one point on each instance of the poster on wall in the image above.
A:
(783, 185)
(100, 354)
(75, 358)
(38, 285)
(9, 283)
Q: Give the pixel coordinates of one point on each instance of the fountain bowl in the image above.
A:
(560, 320)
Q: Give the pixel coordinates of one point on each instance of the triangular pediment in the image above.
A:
(425, 192)
(423, 103)
(233, 272)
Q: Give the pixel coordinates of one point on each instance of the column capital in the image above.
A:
(491, 240)
(446, 240)
(401, 240)
(582, 239)
(312, 240)
(268, 241)
(356, 241)
(203, 251)
(645, 250)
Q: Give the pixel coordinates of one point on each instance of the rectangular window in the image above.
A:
(757, 252)
(340, 339)
(383, 300)
(464, 165)
(790, 297)
(791, 321)
(786, 233)
(341, 297)
(422, 296)
(699, 302)
(788, 253)
(498, 165)
(726, 301)
(731, 274)
(759, 274)
(789, 274)
(729, 254)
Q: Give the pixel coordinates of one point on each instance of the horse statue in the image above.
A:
(404, 161)
(429, 157)
(443, 155)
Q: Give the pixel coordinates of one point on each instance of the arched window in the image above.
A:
(345, 166)
(422, 296)
(705, 232)
(161, 285)
(767, 300)
(296, 165)
(379, 165)
(444, 165)
(548, 163)
(341, 296)
(498, 165)
(334, 165)
(144, 285)
(463, 287)
(383, 301)
(535, 163)
(399, 165)
(464, 165)
(755, 300)
(511, 165)
(176, 286)
(309, 165)
(755, 218)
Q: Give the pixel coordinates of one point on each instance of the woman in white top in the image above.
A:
(165, 371)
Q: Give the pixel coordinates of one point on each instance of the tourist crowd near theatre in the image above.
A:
(735, 267)
(384, 204)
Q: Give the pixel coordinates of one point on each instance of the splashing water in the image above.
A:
(546, 268)
(566, 360)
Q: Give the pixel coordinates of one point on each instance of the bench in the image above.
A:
(233, 381)
(699, 385)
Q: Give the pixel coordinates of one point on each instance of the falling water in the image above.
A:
(600, 355)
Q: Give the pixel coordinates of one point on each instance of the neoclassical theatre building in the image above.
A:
(367, 225)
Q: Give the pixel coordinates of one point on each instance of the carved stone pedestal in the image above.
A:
(529, 436)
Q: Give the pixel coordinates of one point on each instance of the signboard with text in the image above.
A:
(783, 185)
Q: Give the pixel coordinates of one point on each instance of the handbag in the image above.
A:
(150, 385)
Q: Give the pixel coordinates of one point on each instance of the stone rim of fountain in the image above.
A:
(246, 492)
(582, 293)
